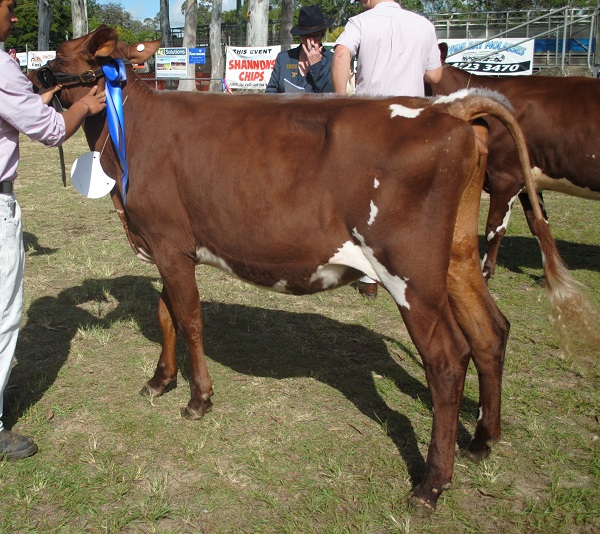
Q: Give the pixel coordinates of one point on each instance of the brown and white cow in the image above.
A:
(558, 118)
(299, 195)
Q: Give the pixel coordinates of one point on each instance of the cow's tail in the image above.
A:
(575, 319)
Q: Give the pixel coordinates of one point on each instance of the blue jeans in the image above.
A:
(12, 262)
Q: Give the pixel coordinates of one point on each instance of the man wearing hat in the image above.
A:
(306, 68)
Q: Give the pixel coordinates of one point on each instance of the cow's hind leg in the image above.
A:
(482, 323)
(445, 354)
(182, 302)
(166, 369)
(486, 329)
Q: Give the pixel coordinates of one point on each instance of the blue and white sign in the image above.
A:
(497, 57)
(197, 55)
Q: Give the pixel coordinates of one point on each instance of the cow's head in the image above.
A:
(77, 66)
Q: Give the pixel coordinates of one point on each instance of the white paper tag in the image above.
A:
(89, 178)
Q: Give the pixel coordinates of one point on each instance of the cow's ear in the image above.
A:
(443, 51)
(103, 42)
(138, 53)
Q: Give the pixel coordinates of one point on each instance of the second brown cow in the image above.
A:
(558, 117)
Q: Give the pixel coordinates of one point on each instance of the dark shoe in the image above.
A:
(367, 290)
(13, 446)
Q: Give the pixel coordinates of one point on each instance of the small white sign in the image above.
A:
(497, 57)
(89, 178)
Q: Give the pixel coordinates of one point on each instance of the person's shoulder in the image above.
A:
(9, 67)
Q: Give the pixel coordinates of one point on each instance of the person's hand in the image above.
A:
(313, 50)
(94, 100)
(47, 94)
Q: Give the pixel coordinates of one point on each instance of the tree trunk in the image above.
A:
(165, 31)
(258, 23)
(79, 17)
(189, 41)
(45, 10)
(287, 14)
(165, 25)
(216, 54)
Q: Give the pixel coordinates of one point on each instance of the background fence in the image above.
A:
(564, 38)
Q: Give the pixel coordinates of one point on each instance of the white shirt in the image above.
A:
(22, 111)
(394, 48)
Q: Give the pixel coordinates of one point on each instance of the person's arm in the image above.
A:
(340, 69)
(319, 74)
(91, 104)
(433, 76)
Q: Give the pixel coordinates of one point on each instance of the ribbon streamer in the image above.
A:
(116, 76)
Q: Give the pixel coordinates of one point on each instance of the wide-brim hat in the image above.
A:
(311, 20)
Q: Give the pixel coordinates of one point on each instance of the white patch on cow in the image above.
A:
(348, 255)
(396, 285)
(144, 255)
(457, 95)
(543, 182)
(375, 183)
(485, 271)
(504, 224)
(373, 214)
(205, 256)
(280, 287)
(480, 413)
(140, 47)
(402, 111)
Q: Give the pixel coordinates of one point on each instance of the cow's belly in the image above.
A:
(347, 263)
(543, 182)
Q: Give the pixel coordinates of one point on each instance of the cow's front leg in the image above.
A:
(502, 199)
(165, 375)
(179, 279)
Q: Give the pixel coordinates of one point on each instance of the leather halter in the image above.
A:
(49, 78)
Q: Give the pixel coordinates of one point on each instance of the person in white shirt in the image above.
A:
(22, 111)
(396, 53)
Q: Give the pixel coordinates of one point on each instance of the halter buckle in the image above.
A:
(87, 76)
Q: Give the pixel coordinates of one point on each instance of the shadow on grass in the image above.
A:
(31, 243)
(518, 253)
(249, 340)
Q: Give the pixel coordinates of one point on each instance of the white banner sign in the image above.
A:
(38, 59)
(171, 63)
(250, 67)
(502, 57)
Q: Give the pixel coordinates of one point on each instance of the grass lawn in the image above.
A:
(322, 414)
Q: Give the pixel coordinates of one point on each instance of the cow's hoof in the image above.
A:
(421, 506)
(192, 414)
(476, 452)
(150, 391)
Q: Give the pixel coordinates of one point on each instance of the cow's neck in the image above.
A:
(96, 127)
